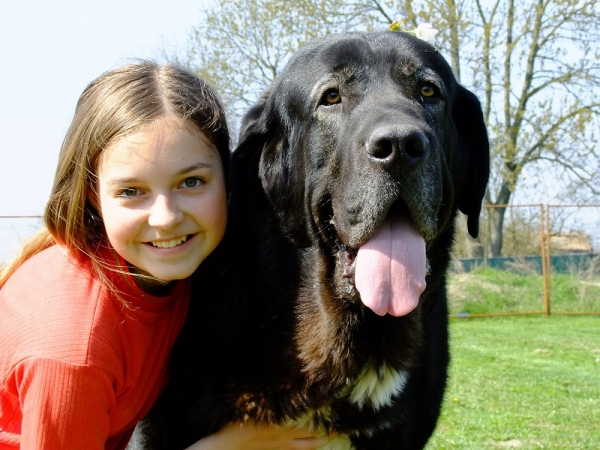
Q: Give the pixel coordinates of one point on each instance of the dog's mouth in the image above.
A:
(387, 271)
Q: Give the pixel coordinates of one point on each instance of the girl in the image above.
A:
(92, 305)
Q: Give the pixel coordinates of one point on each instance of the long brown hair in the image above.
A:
(112, 106)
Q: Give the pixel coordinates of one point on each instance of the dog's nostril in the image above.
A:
(415, 147)
(382, 149)
(410, 146)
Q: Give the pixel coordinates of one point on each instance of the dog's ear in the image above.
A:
(246, 155)
(265, 160)
(473, 141)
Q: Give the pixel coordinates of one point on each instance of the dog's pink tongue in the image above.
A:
(390, 268)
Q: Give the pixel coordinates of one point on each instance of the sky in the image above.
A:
(49, 51)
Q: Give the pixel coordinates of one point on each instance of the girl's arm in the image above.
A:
(252, 436)
(64, 405)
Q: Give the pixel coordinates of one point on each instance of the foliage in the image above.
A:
(522, 382)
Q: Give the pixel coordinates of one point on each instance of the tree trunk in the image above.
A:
(496, 229)
(497, 214)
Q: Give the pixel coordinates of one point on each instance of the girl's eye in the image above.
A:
(191, 182)
(331, 97)
(128, 192)
(428, 90)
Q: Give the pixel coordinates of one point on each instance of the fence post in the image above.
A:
(543, 250)
(547, 266)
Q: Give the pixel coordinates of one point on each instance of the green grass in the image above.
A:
(522, 382)
(486, 291)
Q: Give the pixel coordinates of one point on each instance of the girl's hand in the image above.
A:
(252, 436)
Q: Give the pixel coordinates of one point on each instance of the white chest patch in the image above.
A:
(376, 386)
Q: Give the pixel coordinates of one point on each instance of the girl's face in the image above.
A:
(162, 198)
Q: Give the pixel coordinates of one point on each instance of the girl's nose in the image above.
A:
(164, 213)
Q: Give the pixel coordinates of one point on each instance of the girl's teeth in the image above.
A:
(169, 244)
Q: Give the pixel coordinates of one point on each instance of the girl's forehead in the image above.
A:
(159, 142)
(166, 125)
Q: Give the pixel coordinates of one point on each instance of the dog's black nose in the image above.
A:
(407, 144)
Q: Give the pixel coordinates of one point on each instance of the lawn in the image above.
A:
(522, 382)
(488, 290)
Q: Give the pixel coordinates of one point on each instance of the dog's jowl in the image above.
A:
(325, 306)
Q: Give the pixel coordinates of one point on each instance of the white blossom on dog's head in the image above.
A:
(424, 31)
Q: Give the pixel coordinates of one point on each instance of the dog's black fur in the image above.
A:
(358, 126)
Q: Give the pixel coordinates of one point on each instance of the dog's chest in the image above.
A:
(375, 387)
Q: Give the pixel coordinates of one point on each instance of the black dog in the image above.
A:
(347, 178)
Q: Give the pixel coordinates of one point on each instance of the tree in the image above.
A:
(547, 106)
(535, 66)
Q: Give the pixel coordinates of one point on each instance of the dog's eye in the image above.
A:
(428, 90)
(331, 97)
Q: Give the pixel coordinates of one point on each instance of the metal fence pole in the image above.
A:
(545, 274)
(548, 263)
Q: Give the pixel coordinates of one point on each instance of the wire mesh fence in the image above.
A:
(548, 261)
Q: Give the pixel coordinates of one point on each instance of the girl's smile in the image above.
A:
(171, 243)
(161, 194)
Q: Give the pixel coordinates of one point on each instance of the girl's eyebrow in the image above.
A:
(200, 165)
(185, 170)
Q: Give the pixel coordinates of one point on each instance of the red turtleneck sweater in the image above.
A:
(79, 369)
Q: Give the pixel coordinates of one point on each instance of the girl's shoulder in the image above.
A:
(50, 302)
(51, 273)
(54, 266)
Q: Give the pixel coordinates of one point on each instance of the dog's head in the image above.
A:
(360, 128)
